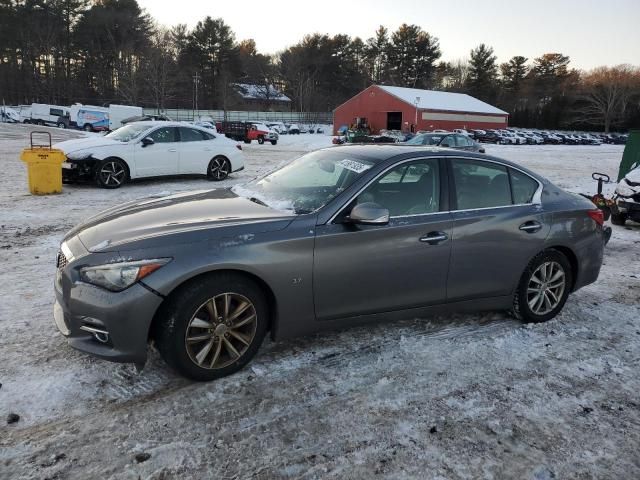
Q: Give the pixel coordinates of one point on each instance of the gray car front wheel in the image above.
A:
(213, 326)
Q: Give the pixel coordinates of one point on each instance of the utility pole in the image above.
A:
(415, 128)
(196, 81)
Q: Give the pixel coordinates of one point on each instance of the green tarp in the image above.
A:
(631, 155)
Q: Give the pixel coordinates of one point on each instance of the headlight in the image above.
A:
(119, 276)
(78, 155)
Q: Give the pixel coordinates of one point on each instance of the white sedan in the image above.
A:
(150, 149)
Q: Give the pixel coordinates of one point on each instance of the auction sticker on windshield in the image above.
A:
(353, 165)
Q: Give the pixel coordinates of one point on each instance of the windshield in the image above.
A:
(128, 132)
(308, 183)
(425, 139)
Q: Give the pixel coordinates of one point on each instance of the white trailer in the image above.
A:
(43, 114)
(117, 113)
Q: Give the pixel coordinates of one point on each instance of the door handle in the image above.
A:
(530, 226)
(434, 238)
(173, 149)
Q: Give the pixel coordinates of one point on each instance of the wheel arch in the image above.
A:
(266, 288)
(571, 257)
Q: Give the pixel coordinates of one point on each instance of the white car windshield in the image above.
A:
(128, 132)
(308, 183)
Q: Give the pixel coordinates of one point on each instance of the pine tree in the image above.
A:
(483, 73)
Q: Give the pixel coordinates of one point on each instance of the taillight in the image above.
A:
(597, 215)
(238, 146)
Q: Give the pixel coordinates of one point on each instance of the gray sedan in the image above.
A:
(339, 237)
(457, 141)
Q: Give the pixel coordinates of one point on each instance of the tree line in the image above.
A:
(107, 51)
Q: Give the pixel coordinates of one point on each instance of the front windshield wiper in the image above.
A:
(258, 201)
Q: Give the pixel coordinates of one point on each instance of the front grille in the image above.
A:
(61, 261)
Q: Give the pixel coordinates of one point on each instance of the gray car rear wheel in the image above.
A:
(544, 287)
(212, 327)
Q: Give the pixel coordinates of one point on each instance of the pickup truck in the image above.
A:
(247, 132)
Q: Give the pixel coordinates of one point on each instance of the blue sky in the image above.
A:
(591, 32)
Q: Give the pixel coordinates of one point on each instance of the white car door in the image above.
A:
(197, 148)
(160, 157)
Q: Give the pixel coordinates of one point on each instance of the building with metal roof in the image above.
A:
(410, 109)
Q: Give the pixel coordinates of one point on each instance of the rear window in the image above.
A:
(480, 184)
(523, 187)
(191, 135)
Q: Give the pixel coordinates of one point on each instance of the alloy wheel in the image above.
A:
(112, 174)
(546, 287)
(221, 330)
(219, 168)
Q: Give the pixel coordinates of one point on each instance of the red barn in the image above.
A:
(407, 109)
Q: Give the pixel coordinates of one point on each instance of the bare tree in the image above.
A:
(158, 66)
(606, 94)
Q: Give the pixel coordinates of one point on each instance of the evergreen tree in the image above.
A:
(483, 73)
(412, 54)
(376, 56)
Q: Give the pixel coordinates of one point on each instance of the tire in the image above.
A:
(111, 173)
(618, 219)
(62, 125)
(219, 168)
(87, 127)
(190, 313)
(246, 140)
(532, 307)
(261, 140)
(274, 142)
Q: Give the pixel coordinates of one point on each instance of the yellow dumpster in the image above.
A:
(44, 166)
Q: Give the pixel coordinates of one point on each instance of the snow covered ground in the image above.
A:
(461, 396)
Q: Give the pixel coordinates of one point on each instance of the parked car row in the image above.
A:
(511, 136)
(294, 128)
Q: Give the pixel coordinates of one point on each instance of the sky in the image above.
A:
(591, 32)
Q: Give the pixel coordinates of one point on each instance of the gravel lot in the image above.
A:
(462, 396)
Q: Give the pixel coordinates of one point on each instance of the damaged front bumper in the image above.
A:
(109, 325)
(79, 170)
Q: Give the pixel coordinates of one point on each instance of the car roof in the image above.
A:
(378, 153)
(164, 123)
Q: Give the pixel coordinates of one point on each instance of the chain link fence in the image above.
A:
(244, 116)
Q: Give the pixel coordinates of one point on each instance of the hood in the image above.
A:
(95, 141)
(193, 215)
(634, 175)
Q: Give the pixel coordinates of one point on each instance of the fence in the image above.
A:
(241, 116)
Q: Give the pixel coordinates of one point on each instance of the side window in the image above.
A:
(448, 141)
(524, 187)
(461, 141)
(409, 189)
(480, 184)
(190, 135)
(163, 135)
(56, 112)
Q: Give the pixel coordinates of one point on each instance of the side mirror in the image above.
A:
(146, 141)
(369, 214)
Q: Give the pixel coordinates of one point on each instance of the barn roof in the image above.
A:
(438, 100)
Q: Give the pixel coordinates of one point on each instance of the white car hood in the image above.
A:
(70, 146)
(634, 175)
